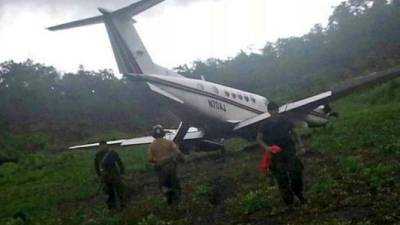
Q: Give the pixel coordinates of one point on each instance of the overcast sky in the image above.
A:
(175, 32)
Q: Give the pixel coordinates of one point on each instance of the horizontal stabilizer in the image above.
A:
(126, 12)
(138, 7)
(78, 23)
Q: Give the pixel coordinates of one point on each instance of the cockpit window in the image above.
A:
(215, 89)
(200, 86)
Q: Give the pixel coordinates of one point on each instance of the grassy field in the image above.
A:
(41, 182)
(352, 176)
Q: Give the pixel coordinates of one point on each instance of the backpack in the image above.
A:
(108, 163)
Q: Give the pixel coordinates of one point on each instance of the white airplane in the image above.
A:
(214, 111)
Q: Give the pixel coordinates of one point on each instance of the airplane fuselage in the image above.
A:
(210, 99)
(218, 102)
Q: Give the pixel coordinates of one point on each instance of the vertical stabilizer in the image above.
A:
(129, 50)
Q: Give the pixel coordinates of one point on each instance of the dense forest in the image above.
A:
(361, 36)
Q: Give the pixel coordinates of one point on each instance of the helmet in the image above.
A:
(158, 131)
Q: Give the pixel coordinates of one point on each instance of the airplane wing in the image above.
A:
(312, 102)
(192, 134)
(96, 144)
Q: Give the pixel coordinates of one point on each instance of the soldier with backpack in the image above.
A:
(165, 155)
(109, 168)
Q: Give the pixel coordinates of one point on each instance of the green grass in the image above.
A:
(39, 183)
(367, 120)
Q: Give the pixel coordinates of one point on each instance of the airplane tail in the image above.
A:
(129, 50)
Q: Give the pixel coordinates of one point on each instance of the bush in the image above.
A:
(15, 147)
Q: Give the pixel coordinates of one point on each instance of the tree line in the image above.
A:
(36, 98)
(361, 36)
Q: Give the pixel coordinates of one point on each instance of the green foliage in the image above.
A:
(350, 164)
(333, 221)
(392, 149)
(380, 130)
(13, 147)
(255, 200)
(377, 176)
(249, 203)
(153, 220)
(324, 185)
(201, 192)
(15, 222)
(38, 183)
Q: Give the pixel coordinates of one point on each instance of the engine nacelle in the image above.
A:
(320, 116)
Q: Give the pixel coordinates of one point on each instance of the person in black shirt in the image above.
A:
(286, 167)
(109, 168)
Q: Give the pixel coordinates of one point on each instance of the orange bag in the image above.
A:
(275, 149)
(265, 163)
(266, 158)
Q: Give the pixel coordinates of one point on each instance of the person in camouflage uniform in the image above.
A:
(165, 154)
(285, 166)
(109, 168)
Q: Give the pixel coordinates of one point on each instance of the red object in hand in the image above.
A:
(265, 162)
(275, 149)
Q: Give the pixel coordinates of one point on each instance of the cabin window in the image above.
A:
(253, 100)
(246, 98)
(227, 94)
(233, 95)
(240, 97)
(215, 89)
(200, 86)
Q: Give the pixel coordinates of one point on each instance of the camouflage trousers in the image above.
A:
(115, 188)
(168, 180)
(289, 176)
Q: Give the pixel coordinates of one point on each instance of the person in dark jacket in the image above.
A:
(109, 168)
(285, 166)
